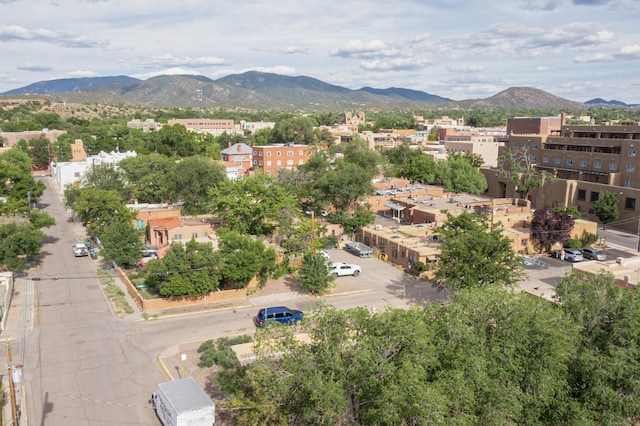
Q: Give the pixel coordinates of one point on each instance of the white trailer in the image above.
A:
(183, 403)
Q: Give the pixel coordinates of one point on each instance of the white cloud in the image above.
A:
(62, 38)
(82, 73)
(170, 61)
(361, 49)
(465, 68)
(400, 64)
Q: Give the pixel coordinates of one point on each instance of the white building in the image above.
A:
(70, 172)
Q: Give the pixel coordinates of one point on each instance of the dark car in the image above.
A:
(593, 254)
(280, 314)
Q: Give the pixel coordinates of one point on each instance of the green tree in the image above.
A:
(606, 208)
(191, 269)
(605, 370)
(344, 185)
(352, 223)
(572, 211)
(121, 243)
(519, 170)
(419, 168)
(457, 174)
(40, 151)
(105, 177)
(244, 258)
(18, 241)
(190, 182)
(252, 205)
(19, 185)
(148, 177)
(98, 209)
(473, 256)
(551, 227)
(299, 130)
(314, 273)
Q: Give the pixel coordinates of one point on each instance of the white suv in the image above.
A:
(340, 269)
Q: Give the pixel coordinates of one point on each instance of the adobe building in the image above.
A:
(584, 160)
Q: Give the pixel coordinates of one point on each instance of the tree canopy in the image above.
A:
(551, 227)
(474, 256)
(606, 208)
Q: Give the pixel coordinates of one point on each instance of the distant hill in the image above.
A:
(258, 90)
(611, 103)
(523, 97)
(64, 85)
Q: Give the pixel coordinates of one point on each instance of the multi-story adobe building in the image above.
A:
(207, 125)
(271, 158)
(585, 160)
(149, 125)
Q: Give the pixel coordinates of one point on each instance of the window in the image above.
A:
(268, 163)
(289, 153)
(582, 195)
(255, 162)
(289, 162)
(534, 158)
(268, 153)
(278, 153)
(569, 162)
(545, 160)
(301, 152)
(534, 146)
(613, 166)
(300, 162)
(630, 168)
(632, 153)
(630, 204)
(194, 235)
(260, 163)
(594, 196)
(583, 163)
(597, 165)
(514, 146)
(177, 237)
(556, 160)
(628, 183)
(139, 224)
(260, 154)
(524, 147)
(523, 243)
(279, 163)
(394, 252)
(255, 153)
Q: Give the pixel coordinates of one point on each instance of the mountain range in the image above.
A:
(260, 91)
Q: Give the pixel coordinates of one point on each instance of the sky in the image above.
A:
(575, 49)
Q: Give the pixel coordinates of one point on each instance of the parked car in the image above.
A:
(324, 254)
(593, 254)
(573, 255)
(80, 250)
(340, 269)
(279, 314)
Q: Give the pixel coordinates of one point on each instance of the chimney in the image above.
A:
(239, 148)
(229, 144)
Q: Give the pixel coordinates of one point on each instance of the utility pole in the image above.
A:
(638, 235)
(492, 210)
(313, 233)
(12, 388)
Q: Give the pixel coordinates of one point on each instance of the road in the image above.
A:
(80, 368)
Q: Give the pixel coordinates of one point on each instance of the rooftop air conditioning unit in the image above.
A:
(378, 227)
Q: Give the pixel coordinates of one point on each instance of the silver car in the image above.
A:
(593, 254)
(573, 255)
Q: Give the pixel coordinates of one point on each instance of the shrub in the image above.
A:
(588, 238)
(220, 352)
(574, 243)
